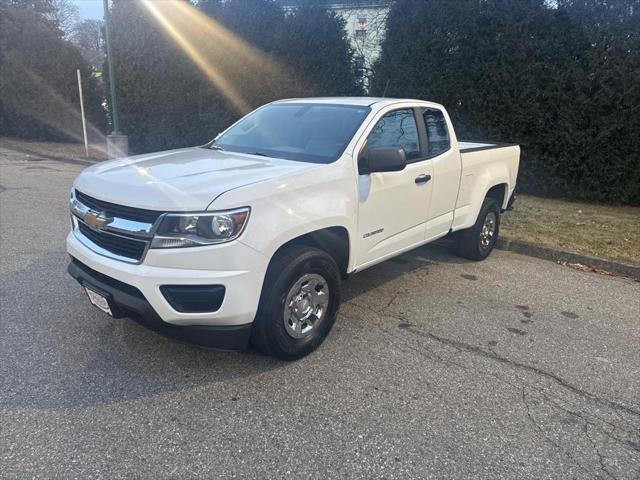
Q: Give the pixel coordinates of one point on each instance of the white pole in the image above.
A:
(84, 124)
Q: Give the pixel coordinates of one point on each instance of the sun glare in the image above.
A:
(48, 107)
(231, 64)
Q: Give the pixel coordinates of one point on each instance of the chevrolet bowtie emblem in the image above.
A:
(97, 220)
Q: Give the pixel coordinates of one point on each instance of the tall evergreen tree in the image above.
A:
(164, 101)
(314, 43)
(309, 42)
(523, 71)
(253, 53)
(608, 160)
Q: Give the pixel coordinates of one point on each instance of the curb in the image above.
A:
(560, 256)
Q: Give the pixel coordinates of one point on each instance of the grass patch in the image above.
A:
(586, 228)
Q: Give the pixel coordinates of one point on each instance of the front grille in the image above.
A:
(117, 244)
(120, 211)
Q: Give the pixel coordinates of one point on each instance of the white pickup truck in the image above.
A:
(247, 238)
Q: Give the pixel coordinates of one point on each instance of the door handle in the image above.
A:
(424, 178)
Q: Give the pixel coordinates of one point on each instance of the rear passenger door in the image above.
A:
(393, 206)
(446, 164)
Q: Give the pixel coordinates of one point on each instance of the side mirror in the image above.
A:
(382, 160)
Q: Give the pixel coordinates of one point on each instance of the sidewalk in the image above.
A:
(54, 151)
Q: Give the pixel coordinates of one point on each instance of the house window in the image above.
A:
(361, 26)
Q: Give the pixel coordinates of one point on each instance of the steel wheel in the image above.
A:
(306, 305)
(488, 230)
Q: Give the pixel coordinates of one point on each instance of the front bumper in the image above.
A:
(126, 298)
(235, 266)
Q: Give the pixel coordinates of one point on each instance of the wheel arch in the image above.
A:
(496, 188)
(335, 241)
(498, 192)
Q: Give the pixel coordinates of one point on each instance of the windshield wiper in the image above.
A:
(216, 147)
(260, 154)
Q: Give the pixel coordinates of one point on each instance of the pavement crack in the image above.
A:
(543, 434)
(522, 366)
(533, 421)
(422, 351)
(10, 189)
(462, 347)
(393, 299)
(601, 459)
(613, 407)
(610, 433)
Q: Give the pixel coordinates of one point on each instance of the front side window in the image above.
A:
(437, 131)
(307, 132)
(397, 129)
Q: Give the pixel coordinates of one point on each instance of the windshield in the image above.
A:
(308, 132)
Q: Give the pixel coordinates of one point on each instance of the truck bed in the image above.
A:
(483, 166)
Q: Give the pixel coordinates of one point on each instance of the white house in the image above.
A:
(365, 24)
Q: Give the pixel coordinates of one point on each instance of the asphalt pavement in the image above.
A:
(437, 367)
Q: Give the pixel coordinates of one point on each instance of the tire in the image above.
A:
(294, 274)
(473, 243)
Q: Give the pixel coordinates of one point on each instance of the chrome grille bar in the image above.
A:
(123, 239)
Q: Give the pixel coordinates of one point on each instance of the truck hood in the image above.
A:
(188, 179)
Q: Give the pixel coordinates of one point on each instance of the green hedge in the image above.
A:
(38, 85)
(562, 82)
(166, 101)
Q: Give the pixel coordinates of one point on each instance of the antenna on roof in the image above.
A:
(384, 94)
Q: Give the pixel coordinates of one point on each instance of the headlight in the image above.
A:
(195, 229)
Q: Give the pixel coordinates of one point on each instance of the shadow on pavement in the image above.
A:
(379, 275)
(58, 351)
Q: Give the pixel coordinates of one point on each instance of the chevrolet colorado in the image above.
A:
(247, 238)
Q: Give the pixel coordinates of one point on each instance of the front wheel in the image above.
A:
(477, 242)
(299, 303)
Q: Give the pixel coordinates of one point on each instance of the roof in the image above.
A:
(360, 101)
(339, 3)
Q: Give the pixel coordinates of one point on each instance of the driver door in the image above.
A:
(393, 206)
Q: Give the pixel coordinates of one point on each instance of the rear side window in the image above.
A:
(437, 131)
(397, 129)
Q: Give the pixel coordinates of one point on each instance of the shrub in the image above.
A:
(557, 80)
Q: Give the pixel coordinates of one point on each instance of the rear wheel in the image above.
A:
(477, 242)
(299, 303)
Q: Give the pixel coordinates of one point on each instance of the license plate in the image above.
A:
(99, 301)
